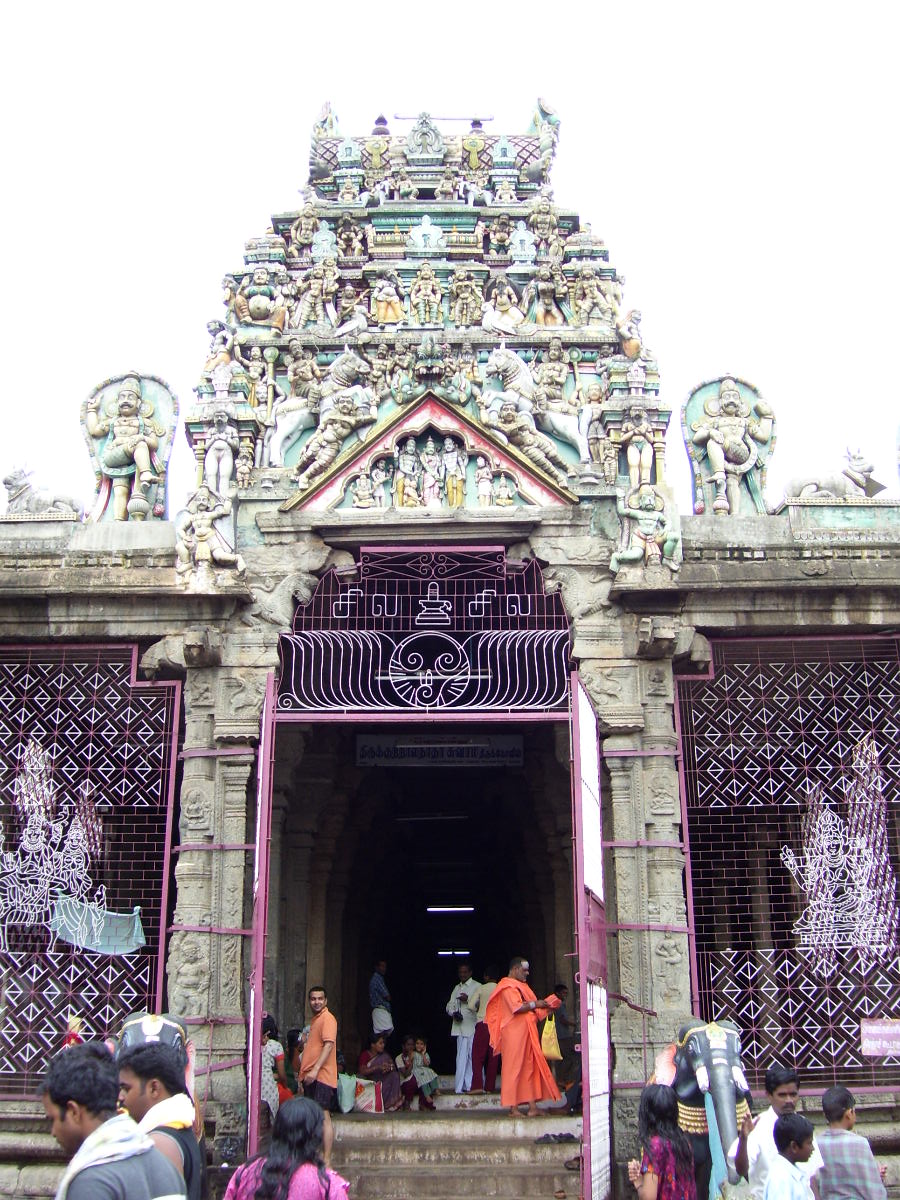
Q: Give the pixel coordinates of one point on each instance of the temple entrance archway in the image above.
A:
(421, 751)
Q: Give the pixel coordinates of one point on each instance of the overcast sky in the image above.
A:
(739, 159)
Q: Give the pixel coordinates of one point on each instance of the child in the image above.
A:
(666, 1170)
(426, 1078)
(849, 1164)
(793, 1136)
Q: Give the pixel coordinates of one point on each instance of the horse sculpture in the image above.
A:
(508, 380)
(704, 1067)
(297, 413)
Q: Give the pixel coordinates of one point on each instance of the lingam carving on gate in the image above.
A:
(425, 630)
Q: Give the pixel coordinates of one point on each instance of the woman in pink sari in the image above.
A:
(376, 1064)
(293, 1168)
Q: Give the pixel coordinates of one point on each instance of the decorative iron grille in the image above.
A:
(86, 783)
(791, 785)
(458, 630)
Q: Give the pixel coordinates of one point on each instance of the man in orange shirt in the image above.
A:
(318, 1065)
(525, 1077)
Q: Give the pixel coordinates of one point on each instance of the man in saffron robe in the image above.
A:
(525, 1077)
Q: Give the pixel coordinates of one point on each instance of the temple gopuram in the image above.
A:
(431, 668)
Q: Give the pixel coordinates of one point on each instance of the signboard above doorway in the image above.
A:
(404, 750)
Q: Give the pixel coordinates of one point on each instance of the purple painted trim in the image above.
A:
(685, 833)
(210, 929)
(642, 843)
(174, 702)
(185, 846)
(373, 716)
(217, 752)
(648, 925)
(266, 764)
(675, 752)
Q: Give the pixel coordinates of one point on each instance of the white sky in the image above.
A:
(739, 159)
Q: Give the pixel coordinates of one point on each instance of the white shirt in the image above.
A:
(762, 1153)
(465, 1027)
(787, 1181)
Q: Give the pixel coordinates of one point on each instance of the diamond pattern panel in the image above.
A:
(80, 740)
(779, 723)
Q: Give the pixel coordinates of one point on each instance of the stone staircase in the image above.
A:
(456, 1152)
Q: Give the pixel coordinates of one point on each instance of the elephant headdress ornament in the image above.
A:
(704, 1067)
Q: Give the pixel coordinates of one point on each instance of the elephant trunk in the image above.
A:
(724, 1097)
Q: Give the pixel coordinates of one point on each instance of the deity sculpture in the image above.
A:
(447, 185)
(255, 369)
(501, 312)
(407, 475)
(589, 305)
(453, 469)
(325, 444)
(637, 437)
(629, 331)
(729, 443)
(484, 482)
(603, 450)
(504, 492)
(259, 302)
(244, 465)
(302, 369)
(404, 188)
(126, 456)
(544, 225)
(500, 235)
(504, 192)
(519, 430)
(650, 537)
(198, 543)
(349, 237)
(386, 300)
(220, 349)
(432, 474)
(351, 318)
(425, 296)
(465, 299)
(380, 475)
(310, 305)
(349, 192)
(222, 442)
(363, 495)
(550, 373)
(541, 296)
(303, 230)
(382, 364)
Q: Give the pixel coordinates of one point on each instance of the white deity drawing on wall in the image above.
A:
(845, 871)
(46, 880)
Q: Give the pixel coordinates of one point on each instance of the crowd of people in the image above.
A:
(126, 1116)
(778, 1152)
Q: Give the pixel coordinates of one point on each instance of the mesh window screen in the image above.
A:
(86, 761)
(792, 785)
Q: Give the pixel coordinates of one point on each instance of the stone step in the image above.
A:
(451, 1125)
(511, 1183)
(474, 1153)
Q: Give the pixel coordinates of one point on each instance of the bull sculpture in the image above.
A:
(704, 1067)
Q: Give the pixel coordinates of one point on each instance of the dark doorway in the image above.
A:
(496, 841)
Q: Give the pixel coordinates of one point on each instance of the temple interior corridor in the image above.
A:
(361, 853)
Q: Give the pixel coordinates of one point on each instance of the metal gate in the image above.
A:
(791, 782)
(87, 756)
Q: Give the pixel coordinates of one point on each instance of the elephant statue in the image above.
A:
(706, 1061)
